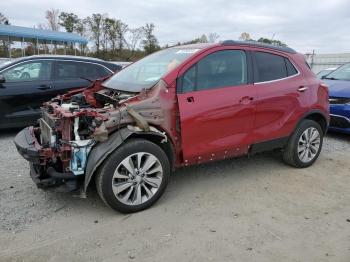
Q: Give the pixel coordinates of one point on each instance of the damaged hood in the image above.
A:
(102, 110)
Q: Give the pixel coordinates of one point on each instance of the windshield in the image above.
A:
(148, 71)
(342, 73)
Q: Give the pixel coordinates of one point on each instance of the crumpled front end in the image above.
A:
(74, 124)
(58, 148)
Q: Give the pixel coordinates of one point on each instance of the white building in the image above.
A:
(319, 62)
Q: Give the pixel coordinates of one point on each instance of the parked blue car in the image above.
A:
(339, 98)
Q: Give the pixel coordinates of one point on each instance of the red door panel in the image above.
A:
(280, 105)
(216, 123)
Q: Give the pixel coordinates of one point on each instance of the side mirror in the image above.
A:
(2, 79)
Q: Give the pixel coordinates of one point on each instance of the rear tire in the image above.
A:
(134, 176)
(305, 144)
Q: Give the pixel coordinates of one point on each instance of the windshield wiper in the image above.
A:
(331, 78)
(87, 79)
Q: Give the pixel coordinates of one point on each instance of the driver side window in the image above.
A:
(225, 68)
(189, 80)
(30, 71)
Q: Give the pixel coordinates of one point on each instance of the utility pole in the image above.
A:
(312, 58)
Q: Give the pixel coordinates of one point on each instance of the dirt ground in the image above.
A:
(246, 209)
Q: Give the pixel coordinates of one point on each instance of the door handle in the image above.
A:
(44, 87)
(246, 100)
(302, 88)
(190, 99)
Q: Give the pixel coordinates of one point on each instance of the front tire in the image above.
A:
(305, 145)
(134, 176)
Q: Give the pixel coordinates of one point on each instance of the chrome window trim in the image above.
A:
(280, 79)
(86, 62)
(54, 59)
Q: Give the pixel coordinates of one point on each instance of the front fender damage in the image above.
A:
(78, 131)
(102, 150)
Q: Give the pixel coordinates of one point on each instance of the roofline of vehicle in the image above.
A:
(194, 46)
(68, 57)
(203, 46)
(285, 49)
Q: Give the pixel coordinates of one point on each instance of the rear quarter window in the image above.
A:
(291, 71)
(270, 67)
(76, 70)
(114, 68)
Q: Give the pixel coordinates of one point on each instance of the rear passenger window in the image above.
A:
(93, 71)
(67, 70)
(290, 68)
(220, 69)
(70, 69)
(270, 66)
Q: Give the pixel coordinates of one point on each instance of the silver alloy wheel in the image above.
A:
(137, 178)
(309, 144)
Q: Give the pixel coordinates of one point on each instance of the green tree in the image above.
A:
(110, 27)
(271, 41)
(202, 39)
(150, 42)
(113, 35)
(121, 28)
(95, 25)
(107, 34)
(246, 37)
(135, 35)
(69, 21)
(81, 27)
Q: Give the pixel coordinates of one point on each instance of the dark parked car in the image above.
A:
(180, 106)
(26, 83)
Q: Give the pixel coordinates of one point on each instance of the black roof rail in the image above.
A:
(258, 44)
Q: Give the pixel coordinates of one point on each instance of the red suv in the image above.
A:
(181, 106)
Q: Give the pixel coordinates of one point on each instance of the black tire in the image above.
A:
(290, 154)
(105, 177)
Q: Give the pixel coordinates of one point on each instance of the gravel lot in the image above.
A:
(246, 209)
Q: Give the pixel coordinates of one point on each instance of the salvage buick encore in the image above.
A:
(181, 106)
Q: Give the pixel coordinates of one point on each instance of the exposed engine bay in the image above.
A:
(72, 124)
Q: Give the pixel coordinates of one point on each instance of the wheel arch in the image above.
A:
(319, 117)
(101, 151)
(158, 139)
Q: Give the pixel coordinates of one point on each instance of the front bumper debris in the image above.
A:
(43, 176)
(27, 145)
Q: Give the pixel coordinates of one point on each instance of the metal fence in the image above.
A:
(320, 62)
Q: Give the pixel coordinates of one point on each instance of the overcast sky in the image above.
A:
(323, 25)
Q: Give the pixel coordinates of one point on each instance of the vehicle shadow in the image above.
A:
(339, 136)
(185, 182)
(9, 132)
(232, 168)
